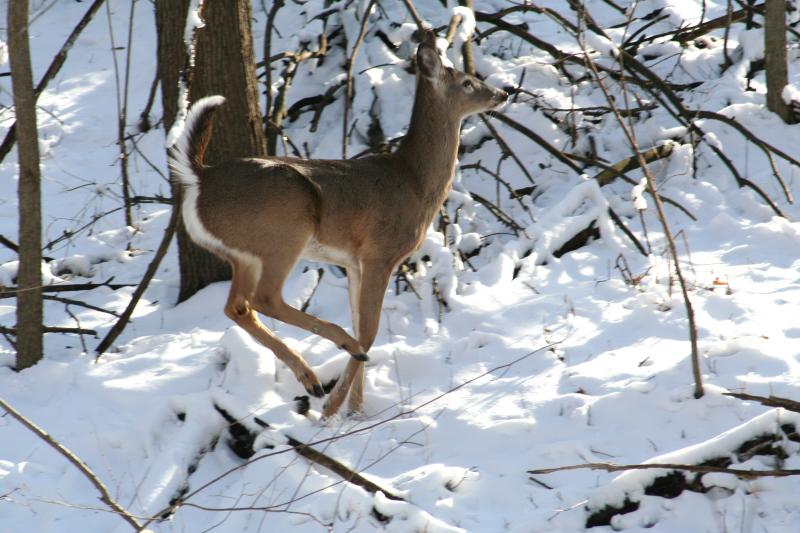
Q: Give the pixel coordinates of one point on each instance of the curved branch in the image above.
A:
(105, 496)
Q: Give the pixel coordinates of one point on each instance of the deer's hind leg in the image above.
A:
(239, 308)
(269, 301)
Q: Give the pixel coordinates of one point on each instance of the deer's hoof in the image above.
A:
(360, 357)
(317, 391)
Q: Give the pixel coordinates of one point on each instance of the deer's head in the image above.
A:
(462, 94)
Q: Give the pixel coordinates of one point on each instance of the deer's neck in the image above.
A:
(430, 147)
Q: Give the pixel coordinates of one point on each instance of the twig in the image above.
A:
(414, 15)
(348, 98)
(504, 147)
(538, 139)
(628, 233)
(765, 147)
(119, 326)
(144, 117)
(702, 469)
(512, 193)
(78, 322)
(122, 111)
(105, 496)
(274, 124)
(320, 273)
(338, 468)
(270, 25)
(80, 303)
(8, 243)
(72, 233)
(499, 214)
(630, 136)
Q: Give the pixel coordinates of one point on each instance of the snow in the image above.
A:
(524, 360)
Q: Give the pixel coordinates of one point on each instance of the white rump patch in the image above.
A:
(181, 165)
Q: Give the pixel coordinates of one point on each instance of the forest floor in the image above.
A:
(503, 359)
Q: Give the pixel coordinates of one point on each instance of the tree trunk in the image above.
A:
(197, 267)
(775, 57)
(29, 275)
(171, 53)
(224, 64)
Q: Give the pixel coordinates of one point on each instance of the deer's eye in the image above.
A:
(467, 84)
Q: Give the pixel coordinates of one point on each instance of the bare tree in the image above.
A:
(775, 57)
(29, 277)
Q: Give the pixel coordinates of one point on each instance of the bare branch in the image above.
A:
(52, 329)
(119, 326)
(105, 496)
(702, 469)
(348, 98)
(11, 292)
(771, 401)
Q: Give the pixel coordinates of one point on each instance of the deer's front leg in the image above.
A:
(367, 289)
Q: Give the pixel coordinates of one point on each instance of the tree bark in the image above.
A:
(29, 276)
(225, 64)
(775, 57)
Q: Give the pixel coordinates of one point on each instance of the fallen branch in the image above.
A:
(610, 172)
(629, 163)
(701, 469)
(244, 438)
(355, 431)
(52, 329)
(690, 33)
(105, 496)
(340, 469)
(11, 292)
(771, 401)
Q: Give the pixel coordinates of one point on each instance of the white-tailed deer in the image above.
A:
(365, 215)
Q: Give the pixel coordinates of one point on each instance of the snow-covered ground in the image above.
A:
(534, 361)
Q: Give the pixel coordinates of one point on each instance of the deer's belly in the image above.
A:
(315, 251)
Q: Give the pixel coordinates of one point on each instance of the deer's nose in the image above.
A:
(500, 96)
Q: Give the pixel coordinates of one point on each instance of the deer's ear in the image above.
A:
(428, 61)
